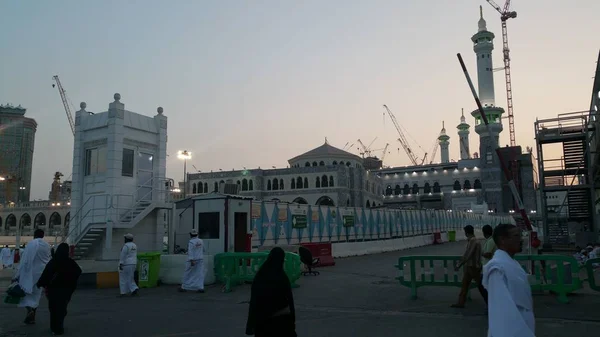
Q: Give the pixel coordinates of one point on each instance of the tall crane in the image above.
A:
(402, 139)
(65, 101)
(366, 150)
(505, 14)
(384, 151)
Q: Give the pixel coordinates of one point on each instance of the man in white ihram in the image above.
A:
(127, 266)
(193, 276)
(7, 258)
(34, 260)
(510, 304)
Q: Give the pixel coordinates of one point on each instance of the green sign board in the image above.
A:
(299, 221)
(348, 220)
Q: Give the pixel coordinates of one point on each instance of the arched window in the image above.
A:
(281, 184)
(341, 163)
(40, 220)
(397, 190)
(205, 188)
(456, 185)
(324, 181)
(388, 190)
(334, 162)
(467, 185)
(330, 181)
(239, 183)
(244, 184)
(25, 221)
(348, 203)
(194, 188)
(293, 184)
(307, 164)
(251, 185)
(406, 189)
(314, 163)
(216, 187)
(415, 189)
(300, 200)
(348, 164)
(321, 163)
(318, 182)
(436, 188)
(477, 184)
(275, 184)
(269, 185)
(54, 221)
(368, 204)
(299, 183)
(427, 188)
(305, 182)
(325, 201)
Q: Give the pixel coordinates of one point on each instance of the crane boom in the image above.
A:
(402, 139)
(384, 151)
(63, 97)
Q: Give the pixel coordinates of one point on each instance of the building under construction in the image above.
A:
(569, 163)
(17, 139)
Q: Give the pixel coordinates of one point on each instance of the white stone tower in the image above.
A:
(463, 134)
(444, 143)
(483, 46)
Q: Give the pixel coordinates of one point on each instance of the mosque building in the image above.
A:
(327, 175)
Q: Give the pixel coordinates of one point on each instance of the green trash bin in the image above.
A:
(148, 269)
(451, 236)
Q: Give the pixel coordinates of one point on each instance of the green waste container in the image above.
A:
(451, 236)
(148, 269)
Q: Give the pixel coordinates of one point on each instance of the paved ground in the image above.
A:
(357, 297)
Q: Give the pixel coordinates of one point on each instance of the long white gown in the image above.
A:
(193, 276)
(6, 255)
(35, 257)
(510, 304)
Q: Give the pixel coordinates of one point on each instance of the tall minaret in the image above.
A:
(443, 141)
(463, 134)
(484, 44)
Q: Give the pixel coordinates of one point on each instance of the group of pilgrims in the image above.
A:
(501, 280)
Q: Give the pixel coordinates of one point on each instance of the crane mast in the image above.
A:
(506, 14)
(402, 139)
(63, 96)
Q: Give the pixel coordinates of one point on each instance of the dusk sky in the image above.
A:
(254, 83)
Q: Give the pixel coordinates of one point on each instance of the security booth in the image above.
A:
(222, 222)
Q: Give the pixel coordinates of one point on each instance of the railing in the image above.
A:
(566, 122)
(74, 229)
(563, 281)
(157, 185)
(234, 268)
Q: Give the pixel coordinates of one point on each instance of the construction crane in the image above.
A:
(505, 14)
(366, 150)
(402, 139)
(65, 101)
(384, 151)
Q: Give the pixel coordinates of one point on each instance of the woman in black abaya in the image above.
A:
(60, 280)
(272, 312)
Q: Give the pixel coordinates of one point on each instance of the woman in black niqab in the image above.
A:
(60, 280)
(272, 312)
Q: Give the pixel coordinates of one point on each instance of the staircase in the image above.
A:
(129, 216)
(579, 203)
(574, 154)
(86, 243)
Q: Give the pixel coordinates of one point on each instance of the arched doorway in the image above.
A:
(11, 221)
(40, 221)
(300, 200)
(24, 222)
(54, 221)
(325, 201)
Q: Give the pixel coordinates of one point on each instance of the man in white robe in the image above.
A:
(127, 266)
(35, 257)
(510, 303)
(193, 276)
(6, 255)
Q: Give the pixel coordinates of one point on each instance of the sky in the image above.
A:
(254, 83)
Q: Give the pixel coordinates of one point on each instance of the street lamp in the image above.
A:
(184, 155)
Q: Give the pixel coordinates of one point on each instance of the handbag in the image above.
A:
(15, 290)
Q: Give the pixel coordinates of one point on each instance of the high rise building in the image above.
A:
(17, 138)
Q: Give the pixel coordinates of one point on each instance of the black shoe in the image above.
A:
(201, 291)
(181, 290)
(135, 293)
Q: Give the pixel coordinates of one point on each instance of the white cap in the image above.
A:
(129, 236)
(194, 232)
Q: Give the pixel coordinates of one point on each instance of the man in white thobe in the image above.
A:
(6, 255)
(127, 266)
(35, 257)
(193, 276)
(510, 305)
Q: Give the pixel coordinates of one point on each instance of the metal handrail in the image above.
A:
(70, 230)
(143, 199)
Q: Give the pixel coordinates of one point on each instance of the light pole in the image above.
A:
(184, 155)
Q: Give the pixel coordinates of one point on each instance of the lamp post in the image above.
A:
(184, 155)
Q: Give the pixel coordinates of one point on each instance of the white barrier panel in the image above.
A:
(173, 266)
(346, 249)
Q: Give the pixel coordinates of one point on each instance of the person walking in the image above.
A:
(7, 257)
(60, 281)
(272, 312)
(35, 257)
(510, 301)
(471, 260)
(193, 276)
(127, 266)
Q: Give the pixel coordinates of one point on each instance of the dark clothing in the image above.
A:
(471, 274)
(272, 312)
(60, 280)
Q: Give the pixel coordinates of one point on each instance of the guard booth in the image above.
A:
(222, 222)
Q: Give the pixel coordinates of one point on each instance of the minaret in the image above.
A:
(483, 46)
(443, 141)
(463, 135)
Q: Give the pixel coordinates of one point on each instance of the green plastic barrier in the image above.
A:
(235, 268)
(589, 266)
(553, 278)
(148, 269)
(451, 236)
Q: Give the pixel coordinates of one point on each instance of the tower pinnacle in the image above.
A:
(482, 24)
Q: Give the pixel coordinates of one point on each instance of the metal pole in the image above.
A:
(184, 178)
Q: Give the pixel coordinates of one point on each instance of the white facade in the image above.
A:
(23, 218)
(463, 135)
(483, 42)
(118, 185)
(443, 140)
